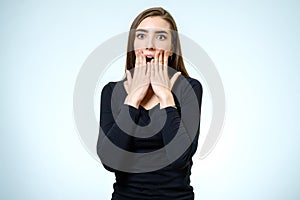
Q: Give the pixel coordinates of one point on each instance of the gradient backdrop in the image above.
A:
(254, 44)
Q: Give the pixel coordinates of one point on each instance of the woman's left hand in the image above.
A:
(159, 78)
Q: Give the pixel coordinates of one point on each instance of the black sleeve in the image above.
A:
(179, 128)
(109, 125)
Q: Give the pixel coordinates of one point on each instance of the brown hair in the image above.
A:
(176, 60)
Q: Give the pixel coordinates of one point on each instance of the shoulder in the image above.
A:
(195, 88)
(108, 88)
(192, 83)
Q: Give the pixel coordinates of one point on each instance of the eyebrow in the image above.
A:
(146, 31)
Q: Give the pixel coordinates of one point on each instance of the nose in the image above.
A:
(150, 44)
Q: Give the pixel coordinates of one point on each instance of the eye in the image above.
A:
(161, 37)
(140, 35)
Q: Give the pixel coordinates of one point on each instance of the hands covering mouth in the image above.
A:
(154, 72)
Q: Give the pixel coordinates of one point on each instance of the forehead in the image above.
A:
(154, 23)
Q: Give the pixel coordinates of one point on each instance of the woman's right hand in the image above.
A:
(137, 86)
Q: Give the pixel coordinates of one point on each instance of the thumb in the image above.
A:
(174, 78)
(129, 78)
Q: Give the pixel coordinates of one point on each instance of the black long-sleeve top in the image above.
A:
(168, 182)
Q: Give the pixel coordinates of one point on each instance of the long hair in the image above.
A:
(175, 61)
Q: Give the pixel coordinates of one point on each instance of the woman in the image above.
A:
(156, 96)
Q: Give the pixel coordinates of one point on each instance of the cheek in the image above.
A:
(165, 45)
(139, 44)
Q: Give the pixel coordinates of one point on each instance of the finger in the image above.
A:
(148, 72)
(166, 56)
(143, 59)
(137, 58)
(143, 70)
(161, 63)
(138, 64)
(129, 78)
(143, 64)
(174, 78)
(165, 67)
(156, 63)
(152, 64)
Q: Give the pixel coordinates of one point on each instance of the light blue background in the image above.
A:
(255, 46)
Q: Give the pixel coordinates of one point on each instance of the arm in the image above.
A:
(182, 124)
(109, 125)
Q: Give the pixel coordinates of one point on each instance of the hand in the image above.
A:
(160, 81)
(137, 86)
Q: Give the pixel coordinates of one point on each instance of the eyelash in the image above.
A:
(161, 37)
(140, 36)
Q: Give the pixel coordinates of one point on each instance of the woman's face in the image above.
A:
(153, 34)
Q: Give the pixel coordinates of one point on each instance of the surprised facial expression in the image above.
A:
(153, 34)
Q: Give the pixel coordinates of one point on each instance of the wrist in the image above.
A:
(167, 101)
(132, 101)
